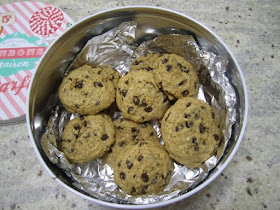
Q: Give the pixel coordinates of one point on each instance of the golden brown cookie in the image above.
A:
(143, 168)
(176, 76)
(139, 98)
(88, 90)
(191, 131)
(87, 138)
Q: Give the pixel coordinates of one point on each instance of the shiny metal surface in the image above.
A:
(151, 22)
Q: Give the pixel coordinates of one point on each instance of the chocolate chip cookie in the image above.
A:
(191, 131)
(87, 138)
(176, 76)
(139, 98)
(143, 168)
(128, 132)
(88, 90)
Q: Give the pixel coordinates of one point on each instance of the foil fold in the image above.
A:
(116, 48)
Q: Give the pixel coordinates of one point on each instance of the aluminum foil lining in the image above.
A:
(117, 48)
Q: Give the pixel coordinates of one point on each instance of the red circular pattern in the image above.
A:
(46, 20)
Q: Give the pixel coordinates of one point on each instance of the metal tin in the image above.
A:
(43, 89)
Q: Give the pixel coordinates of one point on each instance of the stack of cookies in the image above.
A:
(157, 87)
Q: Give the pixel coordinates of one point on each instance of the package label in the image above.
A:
(27, 29)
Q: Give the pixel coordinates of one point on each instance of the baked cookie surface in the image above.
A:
(139, 98)
(191, 131)
(128, 132)
(88, 90)
(143, 168)
(176, 76)
(87, 138)
(144, 62)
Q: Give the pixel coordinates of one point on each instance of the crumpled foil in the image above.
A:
(116, 48)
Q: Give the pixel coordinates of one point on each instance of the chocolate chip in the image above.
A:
(136, 100)
(133, 137)
(149, 68)
(168, 67)
(216, 137)
(187, 115)
(99, 84)
(137, 62)
(196, 117)
(82, 117)
(143, 143)
(181, 83)
(77, 127)
(196, 148)
(185, 92)
(104, 137)
(145, 177)
(134, 130)
(133, 190)
(177, 129)
(121, 143)
(164, 61)
(189, 124)
(188, 104)
(140, 158)
(124, 92)
(129, 164)
(184, 69)
(152, 133)
(72, 150)
(194, 140)
(97, 103)
(119, 164)
(120, 128)
(202, 128)
(126, 82)
(130, 109)
(203, 108)
(143, 103)
(85, 123)
(122, 175)
(148, 109)
(79, 84)
(99, 72)
(143, 190)
(213, 115)
(77, 106)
